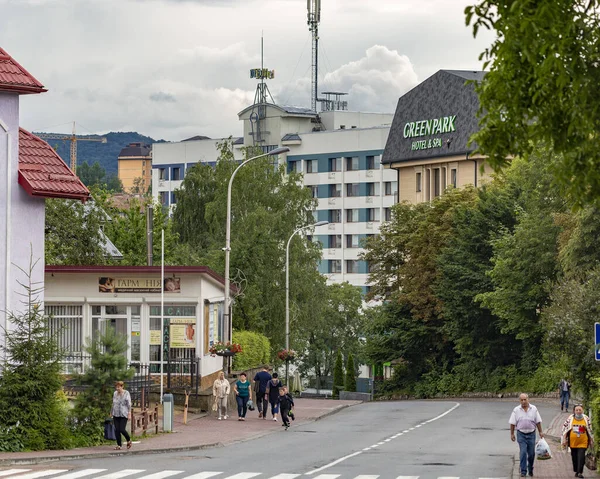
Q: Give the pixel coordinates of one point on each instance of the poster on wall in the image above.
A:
(211, 327)
(183, 333)
(108, 284)
(155, 337)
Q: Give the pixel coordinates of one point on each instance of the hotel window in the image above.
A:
(352, 216)
(373, 162)
(418, 182)
(453, 177)
(335, 265)
(444, 176)
(314, 190)
(335, 241)
(335, 164)
(352, 241)
(351, 189)
(387, 213)
(372, 189)
(351, 266)
(335, 216)
(176, 174)
(373, 214)
(296, 166)
(65, 325)
(335, 191)
(436, 182)
(162, 173)
(143, 162)
(311, 166)
(352, 163)
(391, 187)
(164, 198)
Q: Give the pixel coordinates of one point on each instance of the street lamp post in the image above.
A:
(287, 295)
(227, 309)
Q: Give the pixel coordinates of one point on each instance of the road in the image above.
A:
(405, 439)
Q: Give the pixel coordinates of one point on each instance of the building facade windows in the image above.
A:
(352, 241)
(453, 177)
(335, 265)
(335, 191)
(176, 174)
(351, 266)
(335, 164)
(335, 241)
(335, 216)
(373, 214)
(352, 163)
(391, 188)
(352, 189)
(352, 216)
(418, 182)
(312, 166)
(164, 198)
(372, 189)
(162, 173)
(387, 213)
(373, 162)
(314, 191)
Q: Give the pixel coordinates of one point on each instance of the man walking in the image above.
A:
(261, 379)
(564, 389)
(525, 419)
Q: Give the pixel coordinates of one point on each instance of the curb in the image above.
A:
(163, 450)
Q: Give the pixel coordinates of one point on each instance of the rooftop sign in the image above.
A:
(436, 126)
(262, 73)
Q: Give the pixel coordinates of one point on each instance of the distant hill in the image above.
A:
(104, 153)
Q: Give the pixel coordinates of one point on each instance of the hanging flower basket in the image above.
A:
(225, 349)
(287, 354)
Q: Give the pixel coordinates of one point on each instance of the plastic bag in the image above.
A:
(542, 450)
(109, 430)
(250, 405)
(214, 405)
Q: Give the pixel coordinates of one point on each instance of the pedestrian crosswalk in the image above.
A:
(22, 473)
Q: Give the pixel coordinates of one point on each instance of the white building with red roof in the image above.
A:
(33, 172)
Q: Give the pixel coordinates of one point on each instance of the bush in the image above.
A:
(338, 376)
(350, 384)
(256, 350)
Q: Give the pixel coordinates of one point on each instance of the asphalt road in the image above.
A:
(408, 439)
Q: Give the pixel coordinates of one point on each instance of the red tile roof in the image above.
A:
(43, 173)
(14, 78)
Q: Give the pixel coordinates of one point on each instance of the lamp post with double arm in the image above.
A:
(227, 309)
(287, 294)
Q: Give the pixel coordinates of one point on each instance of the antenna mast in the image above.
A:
(314, 18)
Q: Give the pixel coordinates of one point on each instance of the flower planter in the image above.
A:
(225, 353)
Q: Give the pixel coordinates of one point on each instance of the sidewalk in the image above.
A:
(201, 431)
(560, 466)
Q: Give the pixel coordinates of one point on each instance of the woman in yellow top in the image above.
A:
(577, 434)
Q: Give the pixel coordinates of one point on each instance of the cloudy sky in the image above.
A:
(177, 68)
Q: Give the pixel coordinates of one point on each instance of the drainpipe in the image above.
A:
(8, 225)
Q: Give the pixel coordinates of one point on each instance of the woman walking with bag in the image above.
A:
(577, 434)
(242, 395)
(121, 409)
(221, 390)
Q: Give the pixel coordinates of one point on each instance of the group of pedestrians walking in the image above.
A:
(268, 391)
(576, 432)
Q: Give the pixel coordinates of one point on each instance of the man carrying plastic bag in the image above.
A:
(542, 450)
(525, 419)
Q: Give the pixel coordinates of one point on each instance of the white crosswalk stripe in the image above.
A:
(44, 473)
(366, 477)
(407, 477)
(245, 475)
(285, 476)
(9, 472)
(203, 475)
(327, 476)
(78, 474)
(160, 475)
(120, 474)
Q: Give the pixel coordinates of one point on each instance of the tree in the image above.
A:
(32, 416)
(91, 175)
(543, 68)
(108, 364)
(338, 375)
(73, 233)
(350, 383)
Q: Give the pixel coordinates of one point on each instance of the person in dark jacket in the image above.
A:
(286, 402)
(273, 387)
(261, 380)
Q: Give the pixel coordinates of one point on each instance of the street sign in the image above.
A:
(597, 340)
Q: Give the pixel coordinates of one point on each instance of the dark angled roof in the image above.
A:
(136, 149)
(239, 141)
(197, 137)
(291, 137)
(43, 173)
(445, 94)
(14, 78)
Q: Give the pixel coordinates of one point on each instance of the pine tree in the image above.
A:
(338, 375)
(350, 384)
(32, 416)
(108, 365)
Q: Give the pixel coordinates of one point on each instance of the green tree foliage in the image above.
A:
(543, 66)
(73, 233)
(256, 350)
(338, 375)
(350, 382)
(108, 353)
(32, 415)
(95, 175)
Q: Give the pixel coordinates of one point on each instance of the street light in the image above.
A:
(287, 294)
(226, 313)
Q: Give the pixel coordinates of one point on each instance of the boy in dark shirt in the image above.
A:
(286, 403)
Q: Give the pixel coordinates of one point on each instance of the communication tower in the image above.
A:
(261, 99)
(314, 18)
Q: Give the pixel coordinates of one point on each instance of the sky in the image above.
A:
(172, 69)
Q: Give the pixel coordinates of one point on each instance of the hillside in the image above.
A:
(104, 153)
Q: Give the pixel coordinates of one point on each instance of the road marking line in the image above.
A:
(285, 476)
(366, 477)
(327, 476)
(47, 472)
(407, 477)
(418, 425)
(375, 445)
(161, 474)
(443, 414)
(82, 473)
(337, 461)
(244, 475)
(204, 475)
(367, 449)
(405, 431)
(448, 477)
(8, 472)
(387, 440)
(123, 473)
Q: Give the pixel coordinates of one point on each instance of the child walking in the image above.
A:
(286, 403)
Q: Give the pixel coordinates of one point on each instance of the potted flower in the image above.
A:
(287, 354)
(225, 349)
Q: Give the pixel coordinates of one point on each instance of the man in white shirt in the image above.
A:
(525, 419)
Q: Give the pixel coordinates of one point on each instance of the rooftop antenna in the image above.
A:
(314, 18)
(261, 98)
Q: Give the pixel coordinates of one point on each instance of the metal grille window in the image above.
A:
(66, 325)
